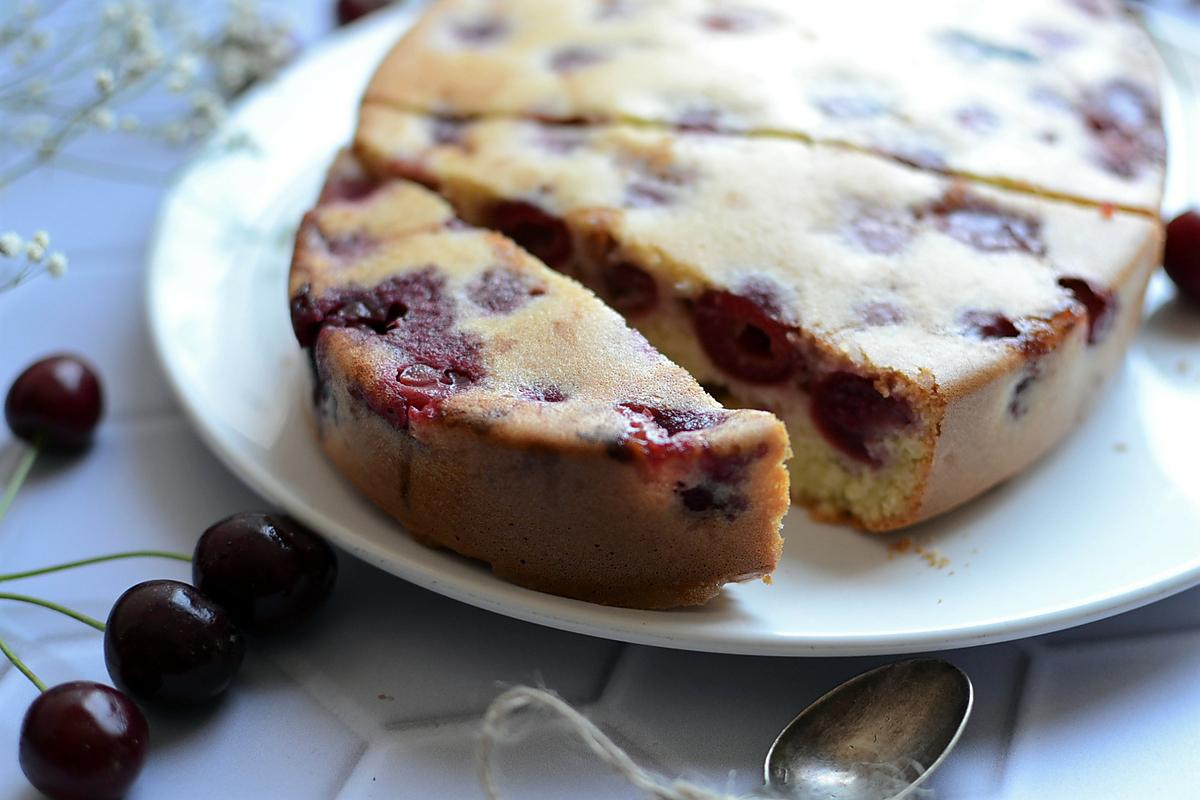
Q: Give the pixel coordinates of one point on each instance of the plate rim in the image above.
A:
(493, 594)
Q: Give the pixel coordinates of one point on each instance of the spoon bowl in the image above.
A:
(875, 737)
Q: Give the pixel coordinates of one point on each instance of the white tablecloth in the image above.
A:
(381, 697)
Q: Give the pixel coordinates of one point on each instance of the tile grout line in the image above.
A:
(604, 680)
(1099, 639)
(360, 753)
(1015, 711)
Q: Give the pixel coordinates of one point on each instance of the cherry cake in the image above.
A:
(922, 337)
(918, 234)
(499, 409)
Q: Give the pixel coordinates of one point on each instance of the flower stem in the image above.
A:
(18, 478)
(19, 664)
(37, 601)
(12, 576)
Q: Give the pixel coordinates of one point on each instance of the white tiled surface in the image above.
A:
(380, 697)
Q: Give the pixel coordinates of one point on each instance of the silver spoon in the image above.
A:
(875, 737)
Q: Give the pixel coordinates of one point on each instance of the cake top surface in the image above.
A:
(893, 268)
(1055, 96)
(433, 319)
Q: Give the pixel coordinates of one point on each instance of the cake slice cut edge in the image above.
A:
(1050, 97)
(498, 409)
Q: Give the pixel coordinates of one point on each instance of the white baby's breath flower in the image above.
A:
(116, 46)
(41, 239)
(186, 65)
(103, 118)
(104, 81)
(10, 244)
(34, 252)
(56, 264)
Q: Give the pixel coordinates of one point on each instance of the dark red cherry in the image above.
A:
(850, 413)
(83, 741)
(631, 289)
(989, 324)
(1181, 258)
(652, 430)
(268, 570)
(58, 401)
(742, 338)
(1101, 306)
(542, 234)
(349, 10)
(166, 641)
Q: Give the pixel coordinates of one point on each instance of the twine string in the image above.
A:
(498, 727)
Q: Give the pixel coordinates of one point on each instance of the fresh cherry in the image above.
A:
(1181, 257)
(350, 10)
(267, 570)
(83, 741)
(167, 641)
(58, 401)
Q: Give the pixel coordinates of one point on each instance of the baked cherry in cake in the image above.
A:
(498, 409)
(905, 326)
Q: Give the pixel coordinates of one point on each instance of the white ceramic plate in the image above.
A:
(1110, 521)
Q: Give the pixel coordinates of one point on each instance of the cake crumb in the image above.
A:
(1107, 210)
(1182, 366)
(902, 545)
(932, 557)
(1121, 447)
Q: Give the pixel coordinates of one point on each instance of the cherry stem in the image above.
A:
(12, 576)
(19, 664)
(18, 478)
(37, 601)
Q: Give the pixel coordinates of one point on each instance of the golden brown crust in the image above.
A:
(581, 525)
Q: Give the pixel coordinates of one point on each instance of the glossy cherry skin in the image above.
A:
(166, 641)
(1181, 257)
(349, 10)
(57, 400)
(83, 741)
(268, 570)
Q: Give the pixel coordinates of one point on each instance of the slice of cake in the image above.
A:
(1055, 96)
(923, 339)
(498, 409)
